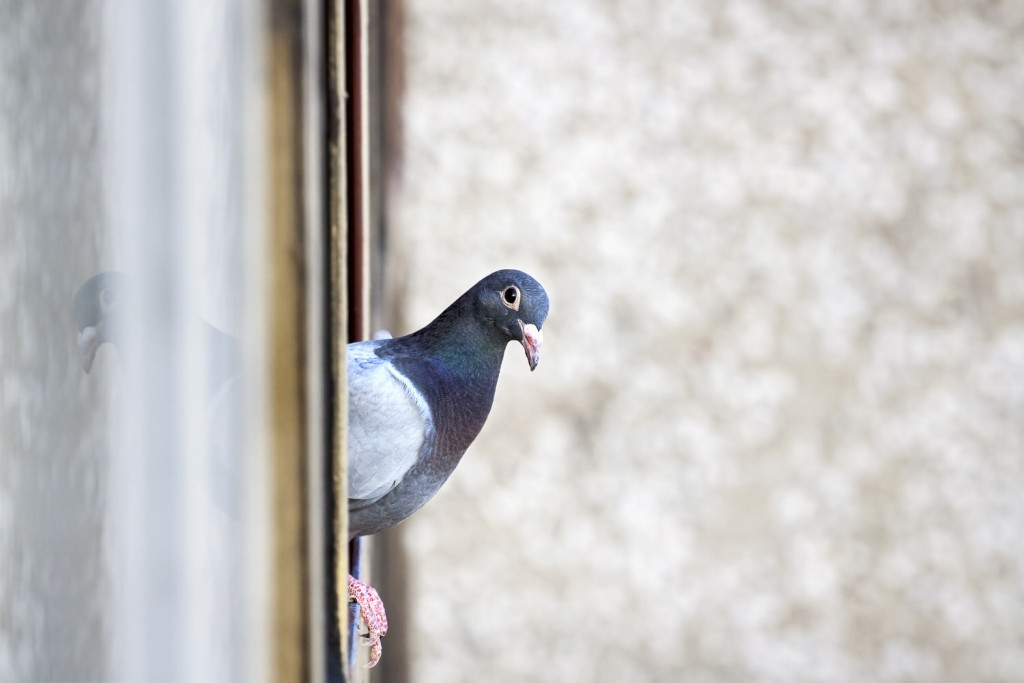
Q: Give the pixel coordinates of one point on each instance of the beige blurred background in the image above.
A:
(777, 433)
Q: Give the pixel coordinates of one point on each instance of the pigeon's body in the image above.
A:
(416, 403)
(414, 445)
(389, 423)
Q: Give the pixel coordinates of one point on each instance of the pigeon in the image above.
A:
(416, 403)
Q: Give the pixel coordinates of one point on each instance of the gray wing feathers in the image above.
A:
(388, 423)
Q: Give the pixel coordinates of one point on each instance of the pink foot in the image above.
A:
(372, 611)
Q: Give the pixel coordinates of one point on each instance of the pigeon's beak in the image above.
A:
(532, 339)
(88, 342)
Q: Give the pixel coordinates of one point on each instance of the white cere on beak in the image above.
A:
(532, 340)
(88, 342)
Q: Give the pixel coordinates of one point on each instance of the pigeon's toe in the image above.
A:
(372, 611)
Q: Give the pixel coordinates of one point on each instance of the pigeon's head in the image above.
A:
(518, 306)
(97, 310)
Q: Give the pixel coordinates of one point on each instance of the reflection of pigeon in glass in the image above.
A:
(100, 312)
(417, 402)
(97, 311)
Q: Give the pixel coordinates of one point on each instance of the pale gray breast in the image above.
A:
(388, 423)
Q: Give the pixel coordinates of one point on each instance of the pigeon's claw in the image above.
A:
(371, 610)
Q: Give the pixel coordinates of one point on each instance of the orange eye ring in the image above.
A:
(511, 297)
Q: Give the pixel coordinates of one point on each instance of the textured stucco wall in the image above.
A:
(777, 433)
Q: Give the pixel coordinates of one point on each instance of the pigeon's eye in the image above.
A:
(510, 297)
(108, 298)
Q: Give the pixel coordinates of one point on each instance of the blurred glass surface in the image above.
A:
(131, 515)
(55, 445)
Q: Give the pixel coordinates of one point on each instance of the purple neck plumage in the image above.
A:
(454, 362)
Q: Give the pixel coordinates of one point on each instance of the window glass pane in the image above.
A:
(132, 513)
